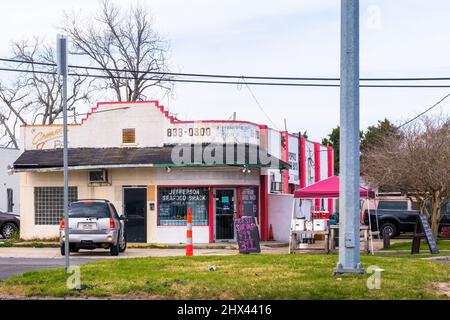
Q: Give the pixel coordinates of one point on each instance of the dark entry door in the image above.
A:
(135, 205)
(225, 214)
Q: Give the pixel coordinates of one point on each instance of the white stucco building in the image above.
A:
(153, 167)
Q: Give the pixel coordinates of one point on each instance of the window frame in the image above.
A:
(51, 216)
(404, 203)
(204, 221)
(9, 200)
(126, 132)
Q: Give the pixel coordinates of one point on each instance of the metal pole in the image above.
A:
(349, 244)
(62, 71)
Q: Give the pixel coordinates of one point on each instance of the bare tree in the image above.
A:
(125, 46)
(12, 112)
(34, 93)
(416, 162)
(46, 89)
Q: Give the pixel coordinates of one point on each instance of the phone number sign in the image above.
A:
(211, 133)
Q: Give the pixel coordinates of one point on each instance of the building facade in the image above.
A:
(152, 167)
(9, 184)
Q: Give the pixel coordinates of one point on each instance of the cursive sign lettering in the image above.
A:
(40, 139)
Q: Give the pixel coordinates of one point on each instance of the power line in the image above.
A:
(228, 76)
(177, 73)
(258, 104)
(424, 112)
(27, 71)
(29, 62)
(175, 80)
(284, 84)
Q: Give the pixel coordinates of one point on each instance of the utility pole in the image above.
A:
(62, 72)
(349, 254)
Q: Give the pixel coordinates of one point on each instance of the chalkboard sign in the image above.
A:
(422, 229)
(247, 235)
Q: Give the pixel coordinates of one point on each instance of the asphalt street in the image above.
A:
(15, 261)
(13, 266)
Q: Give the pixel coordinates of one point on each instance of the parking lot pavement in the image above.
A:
(13, 266)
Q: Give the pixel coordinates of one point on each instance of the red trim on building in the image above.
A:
(285, 158)
(302, 162)
(264, 209)
(161, 108)
(330, 160)
(317, 169)
(239, 205)
(211, 215)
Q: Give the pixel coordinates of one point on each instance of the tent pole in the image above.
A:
(370, 224)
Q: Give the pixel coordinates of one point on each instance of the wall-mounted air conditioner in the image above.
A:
(275, 182)
(98, 176)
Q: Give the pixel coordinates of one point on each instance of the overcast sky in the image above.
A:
(292, 38)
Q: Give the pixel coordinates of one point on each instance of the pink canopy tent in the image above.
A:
(328, 188)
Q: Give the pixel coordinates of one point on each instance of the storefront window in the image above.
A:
(173, 204)
(249, 203)
(49, 204)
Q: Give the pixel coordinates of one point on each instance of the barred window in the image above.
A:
(49, 204)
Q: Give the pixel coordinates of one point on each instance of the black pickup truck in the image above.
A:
(397, 219)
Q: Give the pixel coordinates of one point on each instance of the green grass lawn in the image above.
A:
(238, 277)
(442, 245)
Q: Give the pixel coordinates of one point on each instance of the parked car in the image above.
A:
(9, 224)
(94, 224)
(395, 217)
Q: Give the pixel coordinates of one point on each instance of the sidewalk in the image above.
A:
(217, 245)
(54, 253)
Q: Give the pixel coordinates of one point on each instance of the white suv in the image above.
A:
(94, 224)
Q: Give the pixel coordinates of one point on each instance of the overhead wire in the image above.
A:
(241, 80)
(424, 112)
(203, 75)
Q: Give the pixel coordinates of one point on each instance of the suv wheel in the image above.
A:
(114, 249)
(123, 244)
(9, 229)
(390, 228)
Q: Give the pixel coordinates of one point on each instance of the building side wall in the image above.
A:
(7, 157)
(280, 208)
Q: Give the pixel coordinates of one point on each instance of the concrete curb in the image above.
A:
(228, 246)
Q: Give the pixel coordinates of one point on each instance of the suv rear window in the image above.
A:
(89, 210)
(393, 205)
